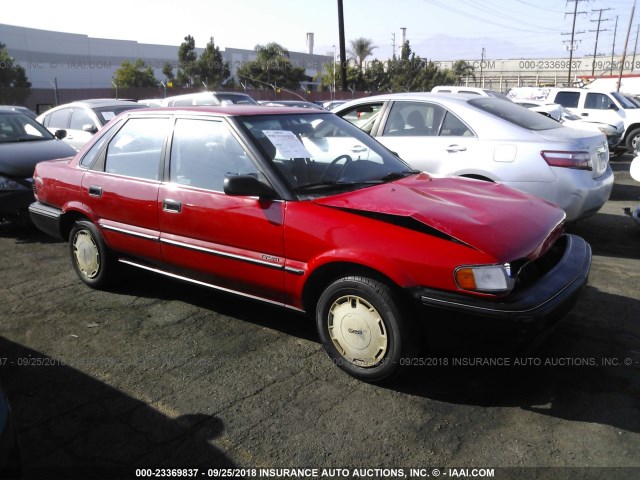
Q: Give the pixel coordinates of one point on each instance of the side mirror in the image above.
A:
(89, 128)
(60, 134)
(247, 185)
(613, 106)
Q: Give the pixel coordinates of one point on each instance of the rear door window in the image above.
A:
(136, 150)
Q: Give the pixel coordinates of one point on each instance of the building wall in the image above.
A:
(71, 60)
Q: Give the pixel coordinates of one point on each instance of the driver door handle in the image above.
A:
(171, 206)
(456, 148)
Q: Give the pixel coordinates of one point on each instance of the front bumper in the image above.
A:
(538, 305)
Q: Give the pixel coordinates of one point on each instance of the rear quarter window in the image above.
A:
(515, 114)
(568, 99)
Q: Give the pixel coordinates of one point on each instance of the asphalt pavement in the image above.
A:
(156, 375)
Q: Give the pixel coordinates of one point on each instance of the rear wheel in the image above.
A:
(92, 260)
(363, 329)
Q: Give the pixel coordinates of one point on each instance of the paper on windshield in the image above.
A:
(287, 143)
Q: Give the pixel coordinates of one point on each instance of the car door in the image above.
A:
(121, 188)
(427, 136)
(230, 242)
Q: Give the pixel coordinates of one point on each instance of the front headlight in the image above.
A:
(6, 184)
(485, 278)
(608, 131)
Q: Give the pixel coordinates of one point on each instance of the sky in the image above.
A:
(435, 29)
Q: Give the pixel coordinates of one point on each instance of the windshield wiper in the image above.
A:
(28, 139)
(325, 185)
(398, 175)
(330, 185)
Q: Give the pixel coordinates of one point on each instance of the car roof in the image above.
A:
(229, 110)
(418, 96)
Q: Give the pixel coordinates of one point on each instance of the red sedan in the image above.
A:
(301, 209)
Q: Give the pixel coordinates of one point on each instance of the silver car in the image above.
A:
(490, 139)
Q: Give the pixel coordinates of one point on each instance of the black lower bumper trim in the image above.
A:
(552, 296)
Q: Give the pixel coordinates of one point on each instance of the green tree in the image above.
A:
(167, 71)
(272, 68)
(361, 48)
(462, 69)
(212, 70)
(187, 62)
(377, 77)
(137, 74)
(411, 73)
(15, 87)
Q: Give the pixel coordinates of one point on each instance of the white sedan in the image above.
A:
(490, 139)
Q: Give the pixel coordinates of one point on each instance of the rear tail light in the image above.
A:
(576, 160)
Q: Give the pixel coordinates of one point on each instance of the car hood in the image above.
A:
(495, 219)
(19, 159)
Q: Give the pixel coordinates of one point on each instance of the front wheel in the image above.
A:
(92, 260)
(632, 140)
(362, 328)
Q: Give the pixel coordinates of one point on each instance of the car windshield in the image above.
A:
(226, 98)
(17, 127)
(105, 114)
(318, 152)
(624, 101)
(513, 113)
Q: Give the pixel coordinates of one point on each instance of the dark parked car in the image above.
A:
(10, 464)
(23, 143)
(83, 119)
(301, 209)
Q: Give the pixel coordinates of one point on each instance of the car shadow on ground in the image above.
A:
(71, 425)
(572, 374)
(610, 235)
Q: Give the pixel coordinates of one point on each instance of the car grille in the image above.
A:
(529, 272)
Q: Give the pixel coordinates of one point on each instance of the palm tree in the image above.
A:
(462, 69)
(361, 48)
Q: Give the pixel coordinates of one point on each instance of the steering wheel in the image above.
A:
(348, 160)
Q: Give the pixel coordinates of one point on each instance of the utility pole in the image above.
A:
(572, 44)
(613, 49)
(481, 65)
(626, 42)
(635, 49)
(393, 43)
(595, 50)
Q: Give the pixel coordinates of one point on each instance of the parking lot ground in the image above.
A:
(157, 373)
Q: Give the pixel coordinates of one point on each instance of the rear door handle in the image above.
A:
(95, 191)
(456, 148)
(171, 206)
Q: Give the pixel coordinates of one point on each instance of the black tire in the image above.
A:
(363, 329)
(632, 140)
(92, 260)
